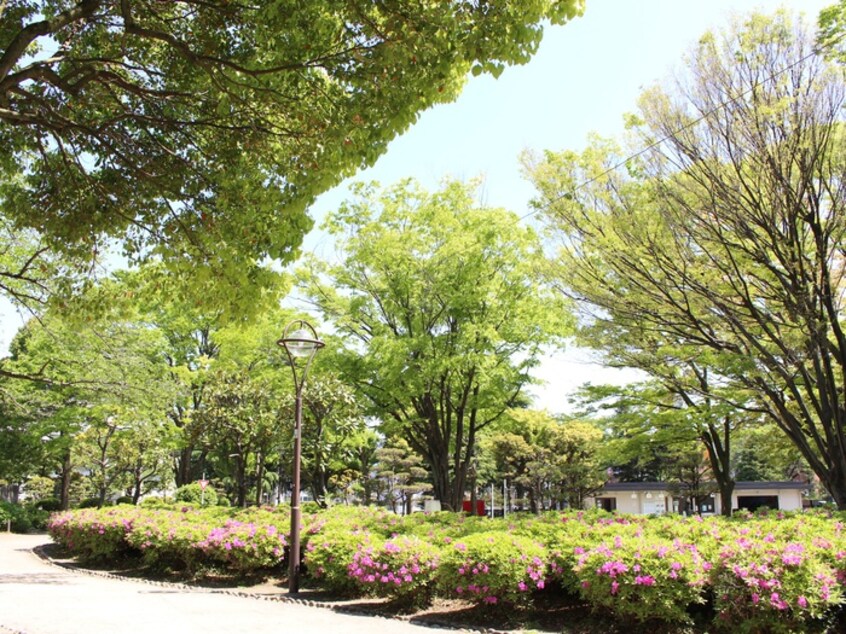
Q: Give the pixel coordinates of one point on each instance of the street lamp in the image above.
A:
(300, 342)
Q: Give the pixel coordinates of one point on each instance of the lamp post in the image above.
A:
(299, 339)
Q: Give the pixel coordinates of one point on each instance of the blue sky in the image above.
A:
(585, 76)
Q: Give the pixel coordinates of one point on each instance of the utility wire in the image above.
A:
(667, 137)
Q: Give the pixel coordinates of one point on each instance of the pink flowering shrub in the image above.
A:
(778, 572)
(643, 578)
(569, 535)
(492, 567)
(245, 546)
(329, 554)
(402, 568)
(772, 584)
(168, 539)
(94, 534)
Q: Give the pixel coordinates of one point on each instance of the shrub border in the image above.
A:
(433, 624)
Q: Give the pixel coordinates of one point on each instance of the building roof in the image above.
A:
(665, 486)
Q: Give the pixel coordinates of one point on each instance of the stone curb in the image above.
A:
(434, 624)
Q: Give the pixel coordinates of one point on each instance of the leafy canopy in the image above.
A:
(443, 313)
(198, 133)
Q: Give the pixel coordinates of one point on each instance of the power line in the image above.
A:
(669, 136)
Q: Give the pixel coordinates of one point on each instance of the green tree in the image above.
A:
(332, 423)
(443, 315)
(682, 406)
(762, 453)
(240, 422)
(724, 239)
(832, 31)
(552, 461)
(520, 452)
(88, 374)
(574, 447)
(363, 483)
(197, 133)
(402, 474)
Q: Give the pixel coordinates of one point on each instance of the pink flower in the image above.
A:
(614, 587)
(777, 602)
(802, 601)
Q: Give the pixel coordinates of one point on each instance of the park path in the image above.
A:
(39, 598)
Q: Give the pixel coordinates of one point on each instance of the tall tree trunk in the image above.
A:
(259, 480)
(64, 491)
(241, 482)
(719, 456)
(182, 473)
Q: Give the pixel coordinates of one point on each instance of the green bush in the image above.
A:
(310, 507)
(156, 503)
(90, 503)
(330, 553)
(194, 494)
(51, 505)
(39, 488)
(16, 516)
(493, 567)
(402, 568)
(643, 578)
(94, 534)
(23, 518)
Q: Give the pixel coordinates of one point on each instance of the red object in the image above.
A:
(203, 484)
(480, 507)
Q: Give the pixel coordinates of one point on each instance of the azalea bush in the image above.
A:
(773, 583)
(245, 546)
(180, 537)
(330, 552)
(166, 539)
(402, 568)
(94, 534)
(643, 578)
(493, 567)
(778, 572)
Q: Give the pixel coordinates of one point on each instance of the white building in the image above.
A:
(657, 498)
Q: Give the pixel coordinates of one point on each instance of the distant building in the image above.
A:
(657, 498)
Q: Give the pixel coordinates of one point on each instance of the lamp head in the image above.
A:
(302, 342)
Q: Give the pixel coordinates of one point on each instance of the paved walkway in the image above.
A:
(39, 598)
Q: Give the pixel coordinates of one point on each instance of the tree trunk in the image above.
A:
(64, 491)
(835, 483)
(182, 473)
(259, 482)
(241, 482)
(719, 456)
